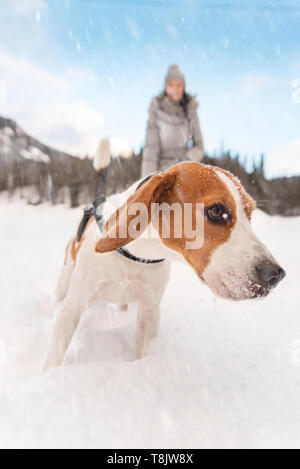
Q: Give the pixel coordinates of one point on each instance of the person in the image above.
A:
(173, 128)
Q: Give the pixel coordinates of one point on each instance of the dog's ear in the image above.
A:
(118, 223)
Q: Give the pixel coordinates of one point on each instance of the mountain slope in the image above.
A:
(14, 143)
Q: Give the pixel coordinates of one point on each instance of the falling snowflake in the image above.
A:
(78, 45)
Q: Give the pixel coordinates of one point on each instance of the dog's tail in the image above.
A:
(103, 156)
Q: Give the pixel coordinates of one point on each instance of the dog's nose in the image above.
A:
(270, 274)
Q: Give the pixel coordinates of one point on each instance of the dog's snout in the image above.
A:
(270, 274)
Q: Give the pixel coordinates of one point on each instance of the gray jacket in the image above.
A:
(172, 136)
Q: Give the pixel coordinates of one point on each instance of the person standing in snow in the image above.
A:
(173, 129)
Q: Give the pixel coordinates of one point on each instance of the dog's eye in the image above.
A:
(217, 213)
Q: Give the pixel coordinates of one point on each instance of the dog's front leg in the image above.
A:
(147, 327)
(67, 319)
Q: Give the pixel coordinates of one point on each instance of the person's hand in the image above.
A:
(195, 154)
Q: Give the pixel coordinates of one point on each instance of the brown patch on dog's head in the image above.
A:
(248, 203)
(199, 184)
(186, 182)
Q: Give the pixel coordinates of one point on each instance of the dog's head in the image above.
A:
(231, 260)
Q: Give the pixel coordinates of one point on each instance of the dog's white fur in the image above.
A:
(113, 278)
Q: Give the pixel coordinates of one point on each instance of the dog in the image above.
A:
(231, 261)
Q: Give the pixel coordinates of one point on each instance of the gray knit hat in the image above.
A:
(174, 73)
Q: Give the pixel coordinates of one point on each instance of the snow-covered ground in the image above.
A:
(219, 375)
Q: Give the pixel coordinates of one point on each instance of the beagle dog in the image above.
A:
(231, 260)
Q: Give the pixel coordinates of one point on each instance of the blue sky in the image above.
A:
(73, 71)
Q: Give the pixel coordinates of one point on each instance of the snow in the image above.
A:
(219, 375)
(5, 135)
(8, 131)
(35, 154)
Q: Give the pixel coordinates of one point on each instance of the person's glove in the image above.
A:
(195, 154)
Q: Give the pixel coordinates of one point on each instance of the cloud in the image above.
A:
(120, 148)
(296, 92)
(251, 84)
(285, 160)
(50, 106)
(70, 125)
(2, 92)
